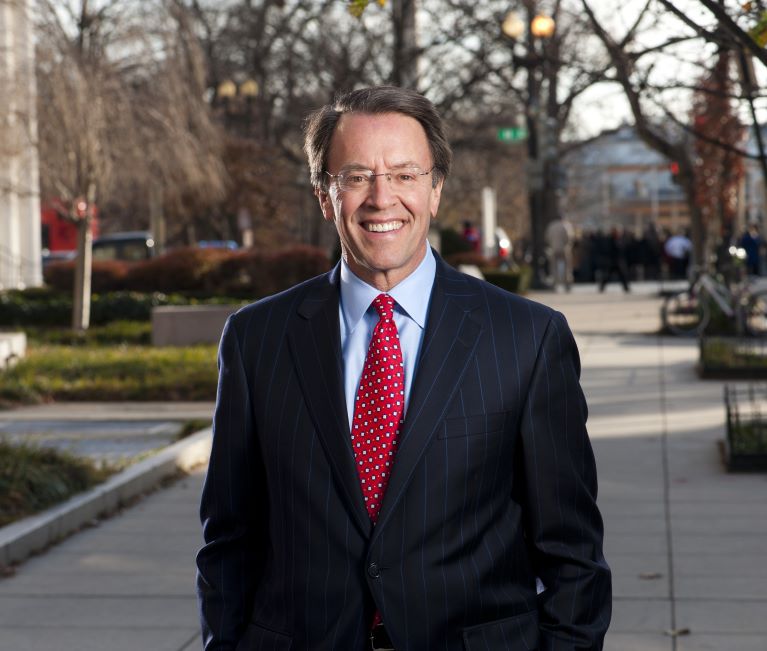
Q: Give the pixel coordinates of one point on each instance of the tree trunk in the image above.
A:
(81, 308)
(405, 59)
(81, 313)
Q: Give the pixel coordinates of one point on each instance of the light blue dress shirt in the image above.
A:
(358, 320)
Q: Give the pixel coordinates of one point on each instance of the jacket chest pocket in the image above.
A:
(481, 424)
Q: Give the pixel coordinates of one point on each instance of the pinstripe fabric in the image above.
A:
(494, 484)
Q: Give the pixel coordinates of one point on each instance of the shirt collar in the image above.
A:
(411, 294)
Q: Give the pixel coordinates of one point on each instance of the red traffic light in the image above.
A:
(674, 167)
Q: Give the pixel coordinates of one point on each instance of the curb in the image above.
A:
(21, 539)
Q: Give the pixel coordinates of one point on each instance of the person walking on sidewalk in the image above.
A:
(560, 237)
(614, 259)
(400, 457)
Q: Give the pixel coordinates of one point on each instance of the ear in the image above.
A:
(436, 194)
(326, 204)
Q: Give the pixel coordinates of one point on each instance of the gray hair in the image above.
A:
(321, 125)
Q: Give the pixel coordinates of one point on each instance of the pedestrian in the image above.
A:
(559, 239)
(751, 242)
(651, 251)
(470, 235)
(677, 249)
(400, 458)
(615, 259)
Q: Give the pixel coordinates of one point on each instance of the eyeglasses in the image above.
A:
(403, 178)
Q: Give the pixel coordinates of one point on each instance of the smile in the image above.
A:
(383, 228)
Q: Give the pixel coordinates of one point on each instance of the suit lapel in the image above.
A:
(314, 340)
(453, 326)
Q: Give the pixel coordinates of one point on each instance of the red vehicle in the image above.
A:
(60, 234)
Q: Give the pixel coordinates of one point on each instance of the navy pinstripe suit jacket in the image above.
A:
(493, 484)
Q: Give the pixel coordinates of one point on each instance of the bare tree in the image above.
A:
(121, 104)
(659, 80)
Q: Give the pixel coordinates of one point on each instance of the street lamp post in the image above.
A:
(535, 28)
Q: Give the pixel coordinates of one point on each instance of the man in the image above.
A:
(560, 238)
(400, 455)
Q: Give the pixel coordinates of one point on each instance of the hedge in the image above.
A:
(195, 271)
(46, 308)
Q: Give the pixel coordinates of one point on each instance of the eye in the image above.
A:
(355, 178)
(405, 177)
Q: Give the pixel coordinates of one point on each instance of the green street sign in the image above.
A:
(512, 134)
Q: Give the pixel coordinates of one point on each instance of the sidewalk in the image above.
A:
(686, 541)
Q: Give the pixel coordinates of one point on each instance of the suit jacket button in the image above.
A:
(373, 571)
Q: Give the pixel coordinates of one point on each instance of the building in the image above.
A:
(20, 240)
(615, 178)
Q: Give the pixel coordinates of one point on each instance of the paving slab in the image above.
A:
(127, 583)
(635, 616)
(637, 642)
(685, 538)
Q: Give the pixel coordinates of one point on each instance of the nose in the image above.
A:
(380, 194)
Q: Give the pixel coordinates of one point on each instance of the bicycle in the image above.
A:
(688, 313)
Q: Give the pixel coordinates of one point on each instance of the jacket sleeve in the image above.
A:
(233, 506)
(564, 526)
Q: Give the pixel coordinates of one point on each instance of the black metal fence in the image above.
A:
(746, 445)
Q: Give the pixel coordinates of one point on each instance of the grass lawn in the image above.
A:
(125, 372)
(113, 362)
(33, 479)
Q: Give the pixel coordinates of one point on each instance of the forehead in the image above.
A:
(378, 139)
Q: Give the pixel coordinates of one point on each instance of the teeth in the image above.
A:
(383, 228)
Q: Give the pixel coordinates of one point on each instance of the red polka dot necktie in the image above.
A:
(379, 407)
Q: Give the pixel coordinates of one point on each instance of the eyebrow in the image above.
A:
(359, 166)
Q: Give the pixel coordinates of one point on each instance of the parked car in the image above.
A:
(57, 256)
(129, 245)
(218, 244)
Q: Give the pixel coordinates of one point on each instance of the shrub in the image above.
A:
(37, 307)
(254, 274)
(452, 243)
(467, 257)
(32, 479)
(33, 308)
(190, 269)
(106, 275)
(200, 272)
(294, 265)
(515, 280)
(114, 333)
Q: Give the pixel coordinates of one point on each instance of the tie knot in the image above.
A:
(384, 305)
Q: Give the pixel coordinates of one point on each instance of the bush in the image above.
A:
(201, 272)
(467, 257)
(254, 274)
(37, 307)
(452, 243)
(106, 275)
(33, 479)
(514, 280)
(183, 270)
(115, 333)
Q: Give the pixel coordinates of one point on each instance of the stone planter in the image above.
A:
(733, 358)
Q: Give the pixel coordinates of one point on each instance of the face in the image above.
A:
(382, 229)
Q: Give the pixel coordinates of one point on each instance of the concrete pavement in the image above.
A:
(687, 541)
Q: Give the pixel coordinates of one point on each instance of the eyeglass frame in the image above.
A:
(387, 174)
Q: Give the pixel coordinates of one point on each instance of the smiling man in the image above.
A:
(400, 457)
